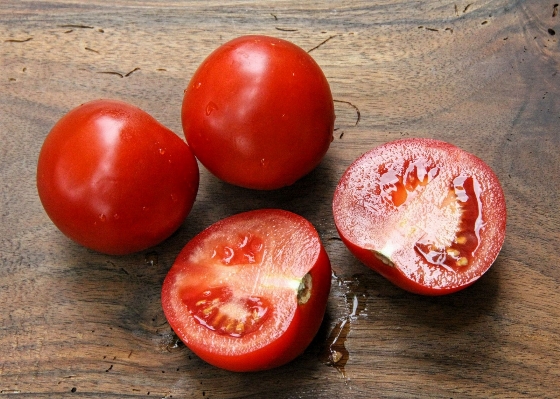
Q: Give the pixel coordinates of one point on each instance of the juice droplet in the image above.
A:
(151, 258)
(335, 353)
(162, 151)
(211, 106)
(116, 216)
(145, 208)
(244, 249)
(102, 217)
(171, 342)
(173, 198)
(198, 85)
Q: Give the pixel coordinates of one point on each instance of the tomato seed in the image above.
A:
(453, 252)
(462, 262)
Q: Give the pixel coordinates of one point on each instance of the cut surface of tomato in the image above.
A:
(249, 292)
(425, 214)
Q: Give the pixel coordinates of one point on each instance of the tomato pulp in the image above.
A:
(249, 292)
(425, 214)
(114, 179)
(258, 113)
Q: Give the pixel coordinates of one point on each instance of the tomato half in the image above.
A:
(114, 179)
(258, 113)
(249, 292)
(425, 214)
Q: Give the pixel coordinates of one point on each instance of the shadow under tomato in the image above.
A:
(310, 196)
(454, 311)
(450, 334)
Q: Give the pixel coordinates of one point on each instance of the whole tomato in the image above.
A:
(114, 179)
(259, 113)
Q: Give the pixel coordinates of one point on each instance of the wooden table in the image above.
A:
(483, 75)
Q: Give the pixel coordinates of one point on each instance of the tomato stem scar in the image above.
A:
(304, 289)
(383, 258)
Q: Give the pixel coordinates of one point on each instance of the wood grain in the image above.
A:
(480, 74)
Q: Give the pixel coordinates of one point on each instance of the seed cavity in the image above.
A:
(226, 314)
(465, 196)
(397, 185)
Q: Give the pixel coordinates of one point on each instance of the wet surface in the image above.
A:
(335, 353)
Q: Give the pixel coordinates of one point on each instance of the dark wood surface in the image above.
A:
(483, 75)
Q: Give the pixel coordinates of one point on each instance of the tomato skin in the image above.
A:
(256, 350)
(424, 214)
(258, 113)
(115, 180)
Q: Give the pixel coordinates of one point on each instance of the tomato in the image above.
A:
(258, 113)
(249, 292)
(114, 179)
(425, 214)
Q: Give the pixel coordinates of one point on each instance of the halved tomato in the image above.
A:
(425, 214)
(249, 292)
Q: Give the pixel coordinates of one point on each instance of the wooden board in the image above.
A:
(481, 74)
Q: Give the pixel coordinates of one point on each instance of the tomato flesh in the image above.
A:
(425, 214)
(249, 292)
(258, 112)
(114, 179)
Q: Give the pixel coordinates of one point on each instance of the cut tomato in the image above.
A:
(249, 292)
(425, 214)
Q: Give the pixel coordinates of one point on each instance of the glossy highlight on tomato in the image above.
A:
(258, 112)
(114, 179)
(249, 293)
(425, 214)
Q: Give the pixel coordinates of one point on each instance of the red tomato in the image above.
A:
(249, 292)
(425, 214)
(259, 113)
(115, 180)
